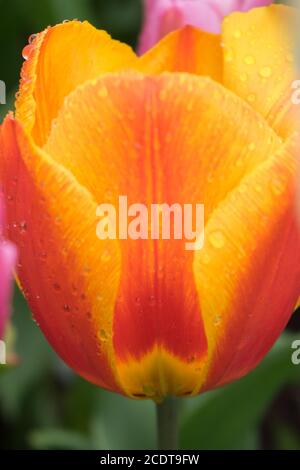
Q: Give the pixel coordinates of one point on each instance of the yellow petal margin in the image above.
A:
(259, 63)
(57, 61)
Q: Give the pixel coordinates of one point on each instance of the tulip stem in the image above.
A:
(167, 424)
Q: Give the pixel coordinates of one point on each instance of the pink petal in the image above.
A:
(7, 262)
(163, 16)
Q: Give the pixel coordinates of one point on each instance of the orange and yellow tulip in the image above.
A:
(199, 118)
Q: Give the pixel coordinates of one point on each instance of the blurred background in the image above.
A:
(43, 405)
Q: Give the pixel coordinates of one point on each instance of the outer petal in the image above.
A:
(258, 63)
(187, 50)
(252, 238)
(58, 60)
(69, 277)
(137, 129)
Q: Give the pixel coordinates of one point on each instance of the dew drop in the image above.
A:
(32, 38)
(243, 188)
(108, 195)
(205, 258)
(251, 97)
(252, 146)
(228, 56)
(43, 256)
(217, 319)
(26, 51)
(265, 72)
(105, 256)
(277, 186)
(67, 308)
(217, 239)
(56, 286)
(102, 92)
(249, 60)
(163, 95)
(244, 77)
(237, 34)
(103, 335)
(258, 188)
(23, 227)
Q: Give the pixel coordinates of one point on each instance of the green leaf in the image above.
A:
(59, 439)
(223, 419)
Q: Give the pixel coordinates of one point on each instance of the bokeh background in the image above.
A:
(43, 405)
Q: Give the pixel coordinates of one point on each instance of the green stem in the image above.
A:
(167, 424)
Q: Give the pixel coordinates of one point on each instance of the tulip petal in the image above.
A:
(258, 63)
(58, 60)
(125, 134)
(253, 239)
(186, 50)
(69, 277)
(7, 262)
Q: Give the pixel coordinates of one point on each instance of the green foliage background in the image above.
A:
(43, 405)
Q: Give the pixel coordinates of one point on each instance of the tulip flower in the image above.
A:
(7, 262)
(200, 118)
(163, 16)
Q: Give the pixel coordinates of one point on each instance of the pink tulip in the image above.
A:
(163, 16)
(7, 262)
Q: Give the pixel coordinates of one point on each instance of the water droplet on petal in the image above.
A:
(217, 319)
(228, 56)
(27, 51)
(217, 239)
(251, 97)
(244, 77)
(102, 92)
(23, 226)
(277, 186)
(32, 38)
(103, 335)
(105, 256)
(265, 72)
(237, 34)
(205, 258)
(249, 60)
